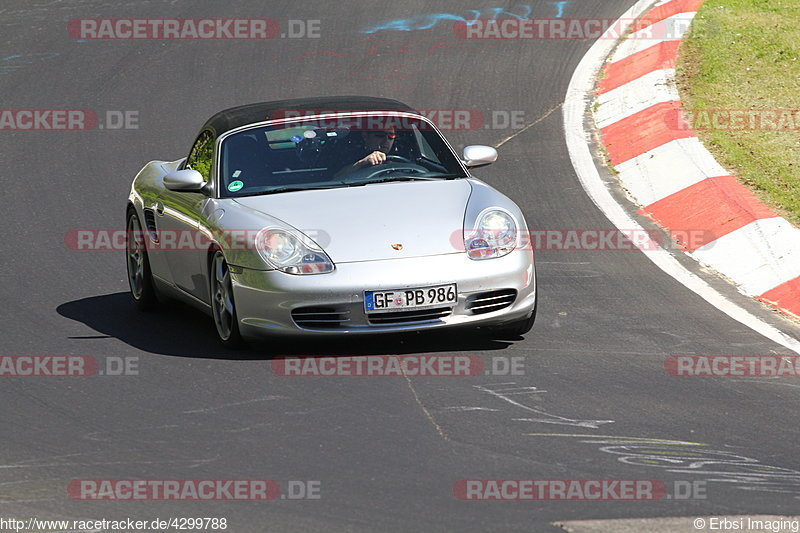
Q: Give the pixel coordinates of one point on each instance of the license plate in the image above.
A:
(415, 298)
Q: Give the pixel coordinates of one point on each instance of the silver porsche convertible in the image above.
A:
(329, 216)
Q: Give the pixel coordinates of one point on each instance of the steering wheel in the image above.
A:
(399, 159)
(393, 170)
(400, 165)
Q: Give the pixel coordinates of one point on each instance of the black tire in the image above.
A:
(140, 278)
(223, 306)
(517, 328)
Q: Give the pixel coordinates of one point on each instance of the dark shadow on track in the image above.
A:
(179, 330)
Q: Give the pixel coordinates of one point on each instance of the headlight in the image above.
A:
(494, 236)
(291, 253)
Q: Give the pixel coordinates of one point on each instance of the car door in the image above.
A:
(180, 215)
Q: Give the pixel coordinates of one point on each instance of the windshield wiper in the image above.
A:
(395, 178)
(450, 176)
(293, 188)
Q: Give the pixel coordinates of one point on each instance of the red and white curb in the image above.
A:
(766, 267)
(665, 168)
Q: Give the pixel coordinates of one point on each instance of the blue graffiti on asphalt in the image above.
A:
(560, 7)
(16, 62)
(430, 20)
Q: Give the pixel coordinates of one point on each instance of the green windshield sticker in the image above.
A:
(235, 186)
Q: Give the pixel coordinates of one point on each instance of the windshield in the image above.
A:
(334, 152)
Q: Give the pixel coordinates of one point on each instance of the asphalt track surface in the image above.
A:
(387, 451)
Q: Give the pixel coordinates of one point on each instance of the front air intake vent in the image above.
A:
(404, 317)
(486, 302)
(320, 317)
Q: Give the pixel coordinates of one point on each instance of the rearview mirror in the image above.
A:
(184, 180)
(477, 155)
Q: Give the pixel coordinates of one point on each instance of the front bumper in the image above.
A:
(265, 300)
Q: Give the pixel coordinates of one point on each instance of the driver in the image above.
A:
(376, 145)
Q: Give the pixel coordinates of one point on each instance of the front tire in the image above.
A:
(517, 328)
(223, 306)
(140, 278)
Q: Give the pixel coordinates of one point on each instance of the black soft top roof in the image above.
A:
(248, 114)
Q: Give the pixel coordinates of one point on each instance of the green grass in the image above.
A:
(743, 55)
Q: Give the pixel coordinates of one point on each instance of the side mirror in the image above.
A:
(477, 155)
(184, 180)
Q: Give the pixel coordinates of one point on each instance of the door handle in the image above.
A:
(160, 208)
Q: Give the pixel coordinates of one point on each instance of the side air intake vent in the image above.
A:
(150, 224)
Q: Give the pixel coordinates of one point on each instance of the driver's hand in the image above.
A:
(375, 158)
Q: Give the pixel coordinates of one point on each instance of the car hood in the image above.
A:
(363, 223)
